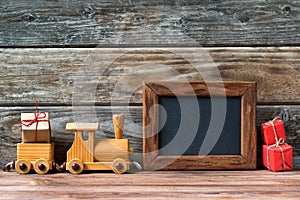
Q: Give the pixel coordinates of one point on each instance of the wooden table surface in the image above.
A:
(260, 184)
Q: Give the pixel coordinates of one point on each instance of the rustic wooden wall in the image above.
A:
(76, 52)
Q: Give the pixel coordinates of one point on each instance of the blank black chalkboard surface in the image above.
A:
(199, 125)
(229, 142)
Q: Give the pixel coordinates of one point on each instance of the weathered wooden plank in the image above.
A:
(10, 127)
(62, 76)
(153, 185)
(141, 23)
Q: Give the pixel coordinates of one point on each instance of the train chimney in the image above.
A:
(118, 121)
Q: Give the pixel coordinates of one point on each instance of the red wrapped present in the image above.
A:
(278, 157)
(272, 131)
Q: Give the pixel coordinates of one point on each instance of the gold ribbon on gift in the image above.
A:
(277, 144)
(274, 130)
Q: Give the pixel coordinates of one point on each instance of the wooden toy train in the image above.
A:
(89, 154)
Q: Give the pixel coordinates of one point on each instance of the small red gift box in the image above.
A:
(278, 158)
(272, 131)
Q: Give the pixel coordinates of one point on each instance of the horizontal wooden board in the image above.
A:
(10, 127)
(141, 23)
(103, 76)
(260, 184)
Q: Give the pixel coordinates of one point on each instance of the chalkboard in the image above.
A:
(229, 142)
(199, 125)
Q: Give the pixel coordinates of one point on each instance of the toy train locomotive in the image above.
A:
(37, 152)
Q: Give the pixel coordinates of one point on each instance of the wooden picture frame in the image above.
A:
(245, 91)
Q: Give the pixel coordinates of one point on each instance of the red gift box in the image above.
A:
(272, 131)
(278, 157)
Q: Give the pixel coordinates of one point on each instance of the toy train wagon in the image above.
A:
(89, 154)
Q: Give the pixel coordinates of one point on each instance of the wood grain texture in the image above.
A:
(34, 151)
(142, 23)
(10, 127)
(202, 89)
(260, 184)
(118, 121)
(82, 127)
(81, 149)
(60, 76)
(34, 154)
(150, 125)
(108, 150)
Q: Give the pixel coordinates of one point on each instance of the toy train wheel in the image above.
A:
(41, 166)
(119, 166)
(75, 166)
(22, 166)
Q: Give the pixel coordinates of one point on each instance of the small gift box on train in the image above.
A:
(35, 127)
(272, 131)
(278, 157)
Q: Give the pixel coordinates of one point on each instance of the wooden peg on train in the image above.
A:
(118, 121)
